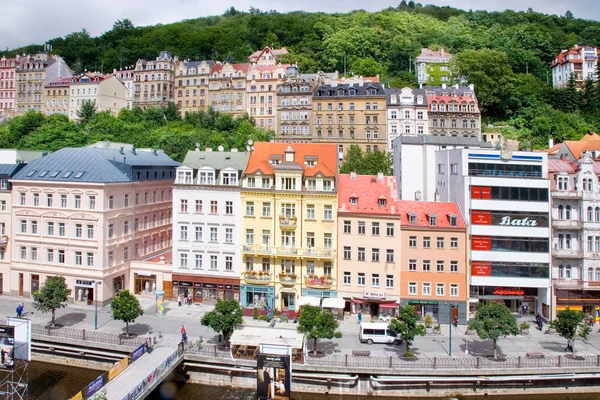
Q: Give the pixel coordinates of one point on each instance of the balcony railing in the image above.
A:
(566, 194)
(567, 283)
(3, 240)
(259, 249)
(287, 222)
(567, 253)
(317, 252)
(318, 282)
(257, 277)
(287, 279)
(505, 174)
(566, 224)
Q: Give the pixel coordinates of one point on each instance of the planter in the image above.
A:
(469, 331)
(524, 331)
(428, 330)
(437, 331)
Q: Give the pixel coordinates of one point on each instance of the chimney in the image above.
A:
(122, 150)
(133, 150)
(442, 51)
(380, 176)
(208, 149)
(550, 142)
(472, 87)
(352, 176)
(443, 86)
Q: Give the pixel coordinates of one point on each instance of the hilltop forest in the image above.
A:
(505, 54)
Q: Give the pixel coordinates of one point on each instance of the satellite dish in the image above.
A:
(247, 148)
(220, 148)
(197, 144)
(250, 142)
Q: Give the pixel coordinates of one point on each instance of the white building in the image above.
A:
(505, 197)
(207, 225)
(414, 159)
(125, 76)
(105, 90)
(579, 61)
(406, 113)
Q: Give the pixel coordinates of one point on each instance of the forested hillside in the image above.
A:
(505, 54)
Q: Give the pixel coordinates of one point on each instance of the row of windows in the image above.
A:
(375, 227)
(440, 265)
(288, 239)
(185, 261)
(198, 234)
(361, 255)
(509, 193)
(288, 266)
(441, 123)
(141, 223)
(76, 201)
(199, 207)
(407, 114)
(440, 242)
(57, 256)
(440, 289)
(340, 106)
(566, 272)
(288, 210)
(57, 229)
(361, 280)
(520, 270)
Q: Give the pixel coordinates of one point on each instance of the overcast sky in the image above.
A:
(35, 21)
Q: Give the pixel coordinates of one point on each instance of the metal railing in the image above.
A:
(82, 334)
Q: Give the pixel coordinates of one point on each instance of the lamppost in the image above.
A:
(96, 283)
(451, 306)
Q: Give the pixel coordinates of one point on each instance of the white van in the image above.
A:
(377, 332)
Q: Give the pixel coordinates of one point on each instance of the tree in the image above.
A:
(52, 295)
(493, 321)
(87, 111)
(352, 160)
(224, 318)
(569, 324)
(126, 307)
(407, 326)
(370, 163)
(318, 324)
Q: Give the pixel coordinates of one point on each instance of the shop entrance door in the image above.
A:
(288, 301)
(21, 279)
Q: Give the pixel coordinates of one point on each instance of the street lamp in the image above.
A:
(451, 306)
(96, 283)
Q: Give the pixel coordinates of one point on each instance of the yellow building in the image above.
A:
(191, 85)
(57, 97)
(289, 213)
(228, 88)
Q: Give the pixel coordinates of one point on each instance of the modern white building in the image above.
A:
(579, 61)
(406, 113)
(414, 161)
(207, 225)
(505, 197)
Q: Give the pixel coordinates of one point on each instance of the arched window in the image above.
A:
(568, 272)
(568, 212)
(590, 214)
(561, 272)
(597, 214)
(561, 212)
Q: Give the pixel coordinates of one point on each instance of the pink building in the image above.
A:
(7, 86)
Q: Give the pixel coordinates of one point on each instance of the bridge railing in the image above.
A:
(82, 334)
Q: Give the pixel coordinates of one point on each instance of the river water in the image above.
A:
(60, 382)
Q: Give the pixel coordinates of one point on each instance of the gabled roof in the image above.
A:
(326, 158)
(424, 209)
(60, 82)
(92, 165)
(276, 52)
(10, 169)
(368, 190)
(576, 147)
(435, 54)
(216, 159)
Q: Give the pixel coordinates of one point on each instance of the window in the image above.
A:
(266, 209)
(198, 261)
(360, 281)
(183, 232)
(454, 243)
(126, 200)
(50, 228)
(77, 201)
(426, 242)
(249, 208)
(433, 220)
(375, 229)
(213, 262)
(251, 182)
(228, 263)
(440, 242)
(48, 200)
(61, 256)
(310, 211)
(78, 257)
(50, 255)
(214, 207)
(23, 251)
(183, 260)
(412, 242)
(389, 255)
(375, 255)
(347, 226)
(111, 258)
(34, 228)
(426, 289)
(63, 201)
(453, 266)
(90, 231)
(184, 205)
(111, 202)
(198, 233)
(389, 281)
(440, 266)
(389, 229)
(23, 226)
(426, 265)
(347, 278)
(440, 168)
(78, 230)
(328, 213)
(412, 288)
(92, 201)
(412, 265)
(2, 205)
(375, 280)
(36, 199)
(454, 290)
(22, 199)
(213, 234)
(198, 206)
(361, 227)
(454, 169)
(327, 241)
(347, 252)
(126, 253)
(361, 254)
(229, 207)
(249, 236)
(440, 289)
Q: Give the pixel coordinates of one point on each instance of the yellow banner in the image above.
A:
(118, 368)
(78, 396)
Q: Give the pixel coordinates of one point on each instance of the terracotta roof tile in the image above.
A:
(326, 157)
(423, 210)
(367, 190)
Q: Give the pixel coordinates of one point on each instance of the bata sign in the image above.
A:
(509, 218)
(517, 222)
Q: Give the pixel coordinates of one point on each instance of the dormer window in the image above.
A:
(453, 220)
(382, 202)
(412, 218)
(354, 200)
(229, 178)
(371, 92)
(251, 182)
(206, 178)
(432, 220)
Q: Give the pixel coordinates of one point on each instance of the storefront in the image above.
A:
(374, 303)
(582, 300)
(118, 283)
(145, 283)
(426, 307)
(206, 288)
(84, 291)
(257, 296)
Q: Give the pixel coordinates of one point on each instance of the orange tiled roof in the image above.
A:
(576, 147)
(326, 157)
(367, 190)
(424, 209)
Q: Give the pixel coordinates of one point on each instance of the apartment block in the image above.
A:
(8, 67)
(191, 85)
(433, 67)
(154, 81)
(453, 111)
(578, 61)
(105, 91)
(406, 113)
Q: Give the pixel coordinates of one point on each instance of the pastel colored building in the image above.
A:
(289, 221)
(85, 213)
(368, 245)
(453, 111)
(106, 91)
(207, 226)
(154, 81)
(8, 91)
(58, 96)
(191, 85)
(406, 113)
(433, 264)
(579, 62)
(227, 88)
(125, 76)
(433, 67)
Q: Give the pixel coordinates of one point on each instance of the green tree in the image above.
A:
(52, 295)
(126, 307)
(570, 324)
(353, 160)
(493, 321)
(407, 326)
(318, 324)
(87, 111)
(226, 315)
(377, 161)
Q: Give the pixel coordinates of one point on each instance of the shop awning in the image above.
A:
(388, 305)
(309, 301)
(333, 302)
(255, 336)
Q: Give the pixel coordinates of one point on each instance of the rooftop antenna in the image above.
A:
(221, 148)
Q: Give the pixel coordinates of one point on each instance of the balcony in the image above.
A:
(317, 252)
(318, 282)
(287, 279)
(257, 277)
(3, 240)
(567, 283)
(567, 253)
(287, 222)
(566, 194)
(258, 249)
(566, 224)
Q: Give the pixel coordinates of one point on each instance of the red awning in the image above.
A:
(388, 305)
(358, 301)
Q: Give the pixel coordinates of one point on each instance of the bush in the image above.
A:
(428, 321)
(283, 318)
(255, 313)
(436, 327)
(264, 318)
(408, 354)
(524, 325)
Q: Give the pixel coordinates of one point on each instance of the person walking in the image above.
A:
(183, 334)
(190, 299)
(179, 300)
(20, 310)
(359, 316)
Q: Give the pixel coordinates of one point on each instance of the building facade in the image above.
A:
(433, 67)
(579, 61)
(125, 76)
(105, 91)
(433, 263)
(58, 96)
(227, 89)
(406, 113)
(505, 197)
(368, 244)
(453, 111)
(207, 226)
(289, 203)
(84, 213)
(8, 67)
(191, 85)
(294, 107)
(154, 81)
(353, 112)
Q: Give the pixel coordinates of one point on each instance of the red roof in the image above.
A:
(63, 81)
(367, 190)
(276, 52)
(165, 258)
(217, 67)
(424, 209)
(326, 155)
(434, 53)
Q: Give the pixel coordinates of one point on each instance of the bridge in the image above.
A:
(144, 374)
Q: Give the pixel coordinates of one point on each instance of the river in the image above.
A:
(60, 382)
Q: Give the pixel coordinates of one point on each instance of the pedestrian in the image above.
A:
(183, 334)
(455, 322)
(179, 300)
(19, 310)
(190, 299)
(359, 316)
(539, 322)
